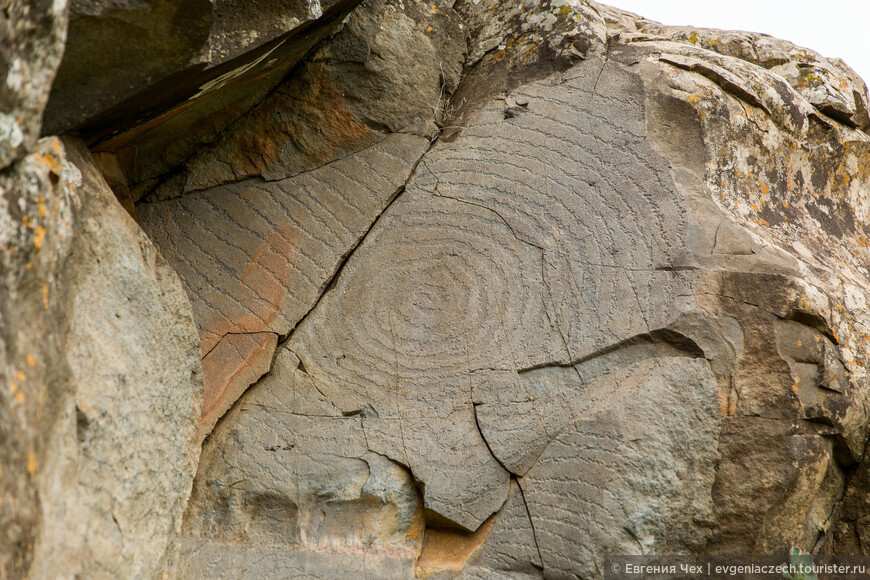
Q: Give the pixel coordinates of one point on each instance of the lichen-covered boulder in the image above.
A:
(102, 380)
(99, 360)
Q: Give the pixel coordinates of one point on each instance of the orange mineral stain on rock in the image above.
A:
(235, 363)
(447, 550)
(262, 288)
(40, 206)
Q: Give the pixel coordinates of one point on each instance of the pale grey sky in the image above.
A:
(830, 27)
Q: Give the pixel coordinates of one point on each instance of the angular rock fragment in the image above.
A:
(153, 99)
(234, 363)
(285, 479)
(116, 50)
(632, 474)
(389, 69)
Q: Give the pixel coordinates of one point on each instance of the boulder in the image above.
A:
(99, 360)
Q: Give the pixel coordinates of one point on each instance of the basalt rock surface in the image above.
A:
(454, 289)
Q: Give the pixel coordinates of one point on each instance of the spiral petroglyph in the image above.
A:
(500, 256)
(254, 255)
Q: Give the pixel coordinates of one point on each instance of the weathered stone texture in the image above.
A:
(482, 289)
(32, 36)
(161, 96)
(36, 214)
(102, 380)
(255, 256)
(99, 362)
(118, 472)
(389, 69)
(285, 479)
(120, 48)
(599, 309)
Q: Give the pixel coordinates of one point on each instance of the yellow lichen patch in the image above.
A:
(31, 362)
(19, 396)
(14, 388)
(693, 38)
(31, 463)
(48, 160)
(434, 9)
(785, 204)
(764, 189)
(38, 236)
(20, 376)
(27, 221)
(44, 292)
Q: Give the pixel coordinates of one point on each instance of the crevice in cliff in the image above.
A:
(485, 442)
(531, 523)
(334, 18)
(836, 514)
(342, 262)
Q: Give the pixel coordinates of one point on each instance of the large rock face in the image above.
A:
(473, 289)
